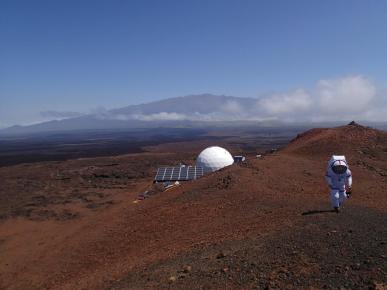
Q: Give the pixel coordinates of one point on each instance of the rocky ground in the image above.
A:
(265, 224)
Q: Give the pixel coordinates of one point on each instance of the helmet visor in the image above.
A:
(339, 169)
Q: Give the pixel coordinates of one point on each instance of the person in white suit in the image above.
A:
(339, 179)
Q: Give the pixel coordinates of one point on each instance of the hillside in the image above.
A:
(266, 224)
(351, 139)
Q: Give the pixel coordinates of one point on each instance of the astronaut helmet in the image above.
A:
(339, 167)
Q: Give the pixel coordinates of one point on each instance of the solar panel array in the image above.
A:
(178, 173)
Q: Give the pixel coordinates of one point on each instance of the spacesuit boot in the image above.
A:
(337, 199)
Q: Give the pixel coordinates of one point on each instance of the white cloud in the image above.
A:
(348, 95)
(347, 98)
(278, 104)
(378, 114)
(353, 97)
(101, 113)
(233, 107)
(163, 116)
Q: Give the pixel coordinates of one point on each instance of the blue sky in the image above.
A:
(80, 55)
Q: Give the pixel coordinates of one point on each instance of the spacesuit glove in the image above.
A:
(349, 192)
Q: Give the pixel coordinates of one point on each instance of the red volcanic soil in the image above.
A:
(265, 224)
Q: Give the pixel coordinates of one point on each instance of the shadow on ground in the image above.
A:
(311, 212)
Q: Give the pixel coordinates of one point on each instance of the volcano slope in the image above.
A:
(266, 224)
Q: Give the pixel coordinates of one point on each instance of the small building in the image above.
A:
(239, 158)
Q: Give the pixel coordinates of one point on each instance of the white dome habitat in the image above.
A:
(214, 158)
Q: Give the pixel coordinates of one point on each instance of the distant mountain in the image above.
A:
(190, 105)
(179, 111)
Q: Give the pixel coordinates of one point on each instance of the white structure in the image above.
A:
(214, 158)
(239, 158)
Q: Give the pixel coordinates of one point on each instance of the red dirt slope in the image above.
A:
(265, 224)
(350, 139)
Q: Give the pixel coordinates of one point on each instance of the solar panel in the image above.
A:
(178, 173)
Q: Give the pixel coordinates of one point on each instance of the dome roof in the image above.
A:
(214, 158)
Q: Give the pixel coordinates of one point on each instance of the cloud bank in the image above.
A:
(353, 97)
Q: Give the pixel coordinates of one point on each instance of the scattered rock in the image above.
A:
(356, 266)
(221, 255)
(187, 269)
(379, 286)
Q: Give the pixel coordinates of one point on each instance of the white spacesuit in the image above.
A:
(339, 179)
